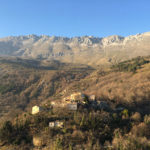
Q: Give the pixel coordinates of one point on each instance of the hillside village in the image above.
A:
(86, 114)
(72, 103)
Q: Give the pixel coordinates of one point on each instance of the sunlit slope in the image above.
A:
(24, 84)
(27, 82)
(87, 50)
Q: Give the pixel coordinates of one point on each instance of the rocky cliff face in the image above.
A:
(85, 50)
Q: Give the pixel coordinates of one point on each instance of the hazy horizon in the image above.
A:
(71, 36)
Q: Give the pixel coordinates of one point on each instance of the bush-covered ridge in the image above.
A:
(131, 65)
(84, 129)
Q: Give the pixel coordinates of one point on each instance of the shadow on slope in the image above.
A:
(43, 64)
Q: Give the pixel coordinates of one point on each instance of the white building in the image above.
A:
(36, 109)
(72, 106)
(51, 124)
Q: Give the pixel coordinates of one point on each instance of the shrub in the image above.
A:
(136, 117)
(147, 119)
(131, 65)
(130, 142)
(6, 132)
(140, 130)
(14, 134)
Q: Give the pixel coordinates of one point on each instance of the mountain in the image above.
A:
(84, 50)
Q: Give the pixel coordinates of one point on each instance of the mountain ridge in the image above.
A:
(85, 49)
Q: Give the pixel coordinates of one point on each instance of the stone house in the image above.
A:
(72, 106)
(75, 97)
(58, 104)
(92, 97)
(51, 124)
(36, 110)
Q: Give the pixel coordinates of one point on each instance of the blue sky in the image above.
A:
(74, 17)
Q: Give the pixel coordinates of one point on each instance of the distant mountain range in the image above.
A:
(84, 50)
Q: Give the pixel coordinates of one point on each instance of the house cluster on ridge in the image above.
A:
(57, 123)
(71, 103)
(75, 97)
(74, 100)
